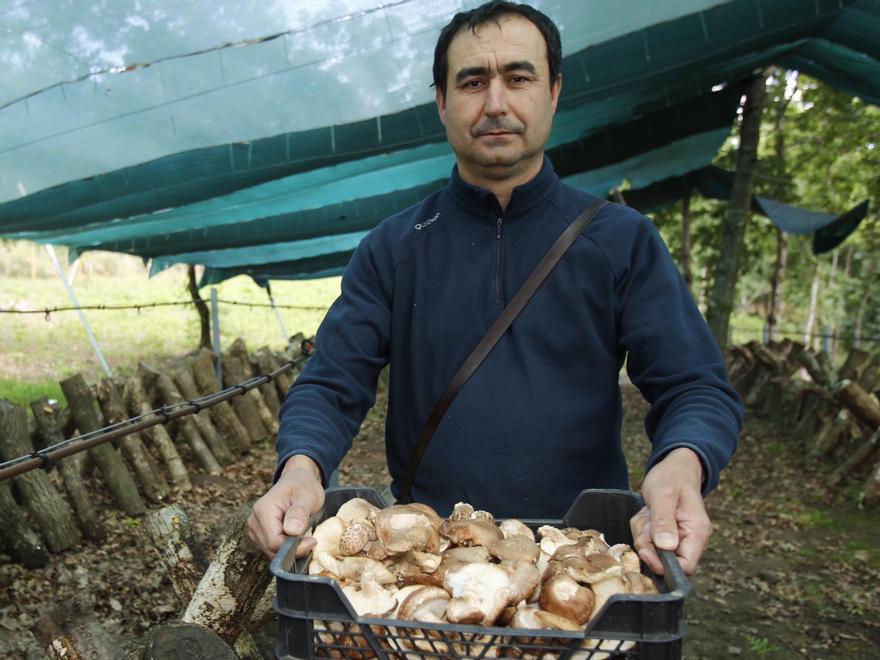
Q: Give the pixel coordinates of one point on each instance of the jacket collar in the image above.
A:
(524, 198)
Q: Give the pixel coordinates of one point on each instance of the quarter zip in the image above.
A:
(498, 261)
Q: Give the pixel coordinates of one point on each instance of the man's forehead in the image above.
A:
(510, 39)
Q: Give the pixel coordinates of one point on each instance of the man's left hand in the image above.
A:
(674, 516)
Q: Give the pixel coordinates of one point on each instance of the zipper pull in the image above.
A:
(498, 225)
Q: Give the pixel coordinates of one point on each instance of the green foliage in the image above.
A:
(760, 646)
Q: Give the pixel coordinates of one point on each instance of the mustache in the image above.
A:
(492, 125)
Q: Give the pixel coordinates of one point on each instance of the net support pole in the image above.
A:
(215, 333)
(284, 336)
(82, 317)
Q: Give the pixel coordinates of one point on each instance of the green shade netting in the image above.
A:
(235, 148)
(225, 71)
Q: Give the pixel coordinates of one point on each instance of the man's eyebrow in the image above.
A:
(520, 65)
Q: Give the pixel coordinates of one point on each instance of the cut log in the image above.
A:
(870, 377)
(49, 509)
(175, 641)
(49, 420)
(153, 485)
(180, 552)
(852, 368)
(863, 405)
(233, 584)
(18, 538)
(820, 375)
(234, 372)
(137, 401)
(267, 363)
(249, 363)
(222, 413)
(870, 495)
(187, 426)
(831, 432)
(219, 447)
(113, 469)
(868, 453)
(71, 631)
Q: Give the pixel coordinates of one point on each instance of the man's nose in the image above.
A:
(496, 100)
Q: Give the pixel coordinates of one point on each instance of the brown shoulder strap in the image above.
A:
(487, 343)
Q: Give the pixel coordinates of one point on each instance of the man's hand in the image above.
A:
(284, 511)
(674, 517)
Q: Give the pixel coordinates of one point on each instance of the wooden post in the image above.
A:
(234, 372)
(855, 363)
(49, 509)
(18, 538)
(138, 404)
(112, 467)
(863, 405)
(270, 394)
(267, 363)
(233, 584)
(49, 421)
(152, 482)
(219, 447)
(868, 453)
(222, 413)
(71, 631)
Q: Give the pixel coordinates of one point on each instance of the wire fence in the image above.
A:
(46, 456)
(47, 311)
(828, 335)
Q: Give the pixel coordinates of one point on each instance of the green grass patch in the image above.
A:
(22, 392)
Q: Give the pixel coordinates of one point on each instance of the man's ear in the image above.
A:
(555, 91)
(441, 104)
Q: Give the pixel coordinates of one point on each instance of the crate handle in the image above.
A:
(674, 575)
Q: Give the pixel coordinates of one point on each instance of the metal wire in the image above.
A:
(72, 308)
(161, 415)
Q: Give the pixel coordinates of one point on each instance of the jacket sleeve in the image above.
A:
(327, 404)
(674, 360)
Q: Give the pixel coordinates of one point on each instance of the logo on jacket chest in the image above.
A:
(430, 221)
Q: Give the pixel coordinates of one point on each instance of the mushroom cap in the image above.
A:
(471, 532)
(327, 534)
(356, 509)
(524, 579)
(605, 589)
(427, 510)
(513, 527)
(371, 601)
(636, 583)
(355, 537)
(427, 604)
(477, 586)
(402, 527)
(527, 617)
(599, 567)
(461, 511)
(552, 538)
(563, 596)
(557, 621)
(517, 548)
(354, 569)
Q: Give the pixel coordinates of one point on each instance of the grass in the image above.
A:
(39, 351)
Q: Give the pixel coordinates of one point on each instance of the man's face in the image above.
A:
(498, 107)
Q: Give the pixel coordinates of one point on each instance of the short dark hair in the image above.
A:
(492, 12)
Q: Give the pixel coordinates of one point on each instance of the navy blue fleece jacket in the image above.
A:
(540, 420)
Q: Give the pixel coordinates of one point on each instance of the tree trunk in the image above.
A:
(686, 241)
(113, 406)
(856, 361)
(48, 419)
(726, 273)
(201, 308)
(863, 303)
(180, 552)
(776, 284)
(113, 469)
(233, 584)
(188, 428)
(48, 508)
(137, 401)
(71, 631)
(270, 394)
(234, 372)
(814, 303)
(222, 413)
(18, 538)
(219, 447)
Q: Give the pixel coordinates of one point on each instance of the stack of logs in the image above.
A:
(137, 469)
(835, 413)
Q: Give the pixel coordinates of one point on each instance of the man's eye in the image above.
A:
(519, 79)
(473, 84)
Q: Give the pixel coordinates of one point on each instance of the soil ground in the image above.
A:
(792, 571)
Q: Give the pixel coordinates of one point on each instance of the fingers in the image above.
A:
(640, 524)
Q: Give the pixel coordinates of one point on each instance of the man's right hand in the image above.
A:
(284, 511)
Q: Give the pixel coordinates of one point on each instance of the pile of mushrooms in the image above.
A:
(406, 562)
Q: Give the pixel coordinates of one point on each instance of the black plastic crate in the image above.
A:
(316, 620)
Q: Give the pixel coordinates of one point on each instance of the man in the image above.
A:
(540, 420)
